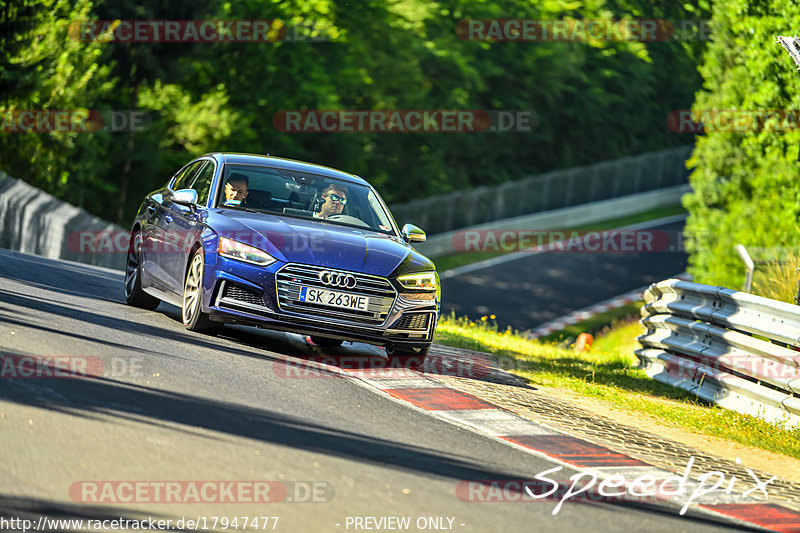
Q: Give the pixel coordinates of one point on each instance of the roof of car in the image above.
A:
(287, 164)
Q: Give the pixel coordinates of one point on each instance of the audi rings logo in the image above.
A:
(337, 279)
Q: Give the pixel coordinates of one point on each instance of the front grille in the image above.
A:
(417, 321)
(291, 277)
(235, 292)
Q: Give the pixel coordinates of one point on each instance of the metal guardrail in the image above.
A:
(577, 216)
(731, 348)
(546, 192)
(34, 222)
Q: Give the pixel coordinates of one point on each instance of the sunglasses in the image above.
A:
(337, 198)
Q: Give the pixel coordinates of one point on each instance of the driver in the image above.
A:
(236, 189)
(335, 198)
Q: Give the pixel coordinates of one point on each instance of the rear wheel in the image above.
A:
(134, 295)
(192, 312)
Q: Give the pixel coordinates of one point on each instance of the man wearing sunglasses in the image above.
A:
(335, 197)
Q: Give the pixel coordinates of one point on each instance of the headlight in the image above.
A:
(244, 252)
(422, 281)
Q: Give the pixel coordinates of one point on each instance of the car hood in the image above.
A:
(295, 240)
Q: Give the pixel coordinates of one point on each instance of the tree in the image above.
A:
(592, 100)
(46, 69)
(744, 177)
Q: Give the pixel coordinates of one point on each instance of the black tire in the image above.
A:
(325, 342)
(192, 313)
(132, 287)
(408, 357)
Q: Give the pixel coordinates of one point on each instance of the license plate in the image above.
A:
(342, 300)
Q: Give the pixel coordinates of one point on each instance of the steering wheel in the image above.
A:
(348, 219)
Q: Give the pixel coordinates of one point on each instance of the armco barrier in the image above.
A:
(561, 219)
(554, 190)
(728, 347)
(35, 222)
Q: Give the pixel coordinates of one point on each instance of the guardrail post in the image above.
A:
(797, 298)
(617, 177)
(749, 266)
(661, 169)
(545, 192)
(568, 190)
(451, 208)
(637, 181)
(593, 181)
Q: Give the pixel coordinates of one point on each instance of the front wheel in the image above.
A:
(191, 312)
(134, 295)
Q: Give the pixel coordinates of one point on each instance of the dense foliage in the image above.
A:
(594, 100)
(745, 177)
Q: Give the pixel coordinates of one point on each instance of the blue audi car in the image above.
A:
(285, 245)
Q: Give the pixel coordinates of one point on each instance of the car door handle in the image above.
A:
(168, 218)
(151, 209)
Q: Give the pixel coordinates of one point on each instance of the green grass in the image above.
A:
(620, 337)
(448, 262)
(607, 373)
(597, 323)
(778, 279)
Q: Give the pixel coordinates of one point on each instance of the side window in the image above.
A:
(185, 176)
(202, 183)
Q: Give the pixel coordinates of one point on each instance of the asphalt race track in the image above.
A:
(171, 405)
(527, 289)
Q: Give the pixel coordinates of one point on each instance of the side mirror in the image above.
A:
(186, 198)
(412, 233)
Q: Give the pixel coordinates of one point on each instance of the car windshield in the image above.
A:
(297, 194)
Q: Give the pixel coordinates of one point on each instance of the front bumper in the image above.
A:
(269, 298)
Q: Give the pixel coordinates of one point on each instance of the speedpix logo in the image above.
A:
(589, 486)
